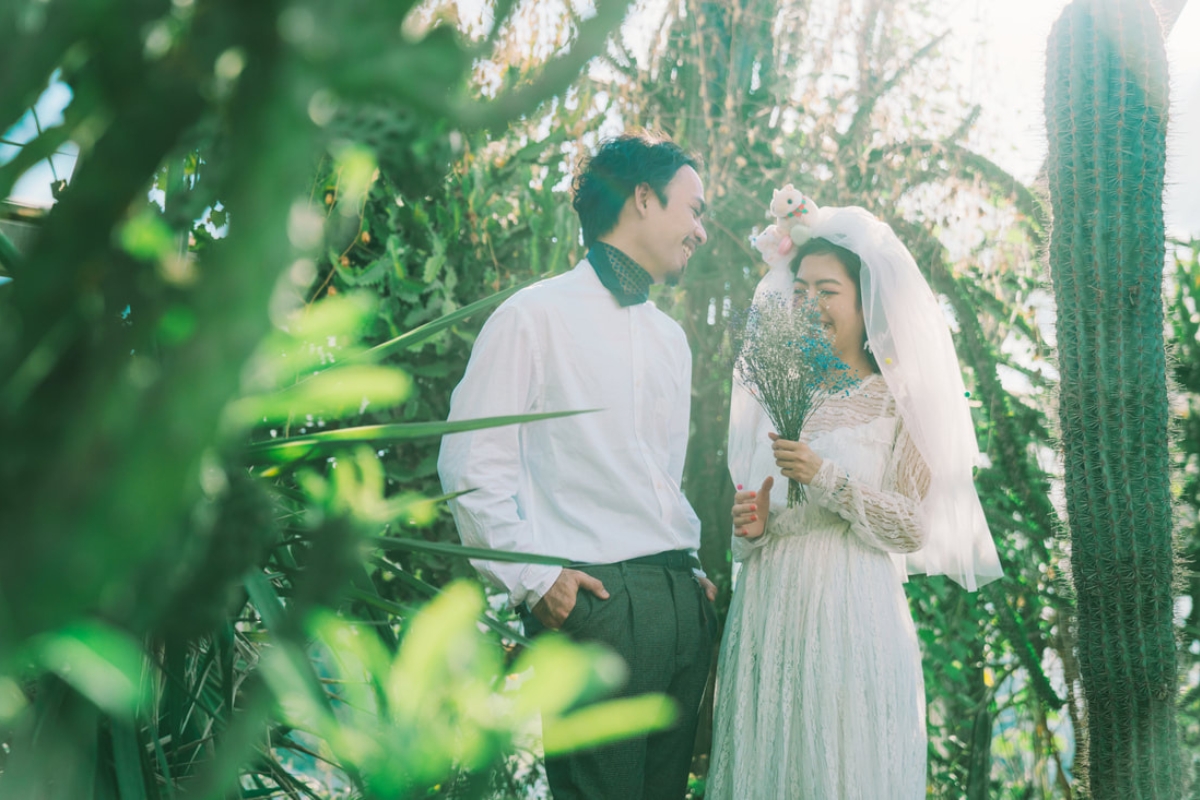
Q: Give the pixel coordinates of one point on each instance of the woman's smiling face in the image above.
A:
(823, 278)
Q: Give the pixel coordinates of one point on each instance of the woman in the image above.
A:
(819, 690)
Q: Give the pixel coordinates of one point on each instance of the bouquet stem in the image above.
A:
(796, 493)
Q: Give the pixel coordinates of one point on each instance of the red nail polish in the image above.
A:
(739, 487)
(754, 517)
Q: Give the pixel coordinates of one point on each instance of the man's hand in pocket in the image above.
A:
(556, 605)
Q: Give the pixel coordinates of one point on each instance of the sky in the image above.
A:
(33, 188)
(1002, 44)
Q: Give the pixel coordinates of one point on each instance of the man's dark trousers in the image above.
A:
(659, 621)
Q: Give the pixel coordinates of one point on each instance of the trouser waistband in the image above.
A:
(681, 560)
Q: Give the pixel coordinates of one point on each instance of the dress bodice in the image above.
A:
(856, 429)
(872, 478)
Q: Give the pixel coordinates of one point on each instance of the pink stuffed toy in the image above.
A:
(792, 212)
(790, 208)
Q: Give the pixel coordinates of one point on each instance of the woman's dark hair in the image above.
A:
(847, 258)
(609, 177)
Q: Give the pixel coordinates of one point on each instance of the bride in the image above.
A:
(819, 687)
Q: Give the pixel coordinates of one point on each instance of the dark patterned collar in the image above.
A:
(622, 276)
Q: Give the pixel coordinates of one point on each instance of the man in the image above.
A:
(601, 488)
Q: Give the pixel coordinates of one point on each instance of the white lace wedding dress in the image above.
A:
(819, 688)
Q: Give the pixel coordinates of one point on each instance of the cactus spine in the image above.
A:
(1106, 116)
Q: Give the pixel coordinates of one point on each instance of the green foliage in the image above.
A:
(188, 462)
(402, 722)
(1106, 112)
(189, 484)
(1185, 322)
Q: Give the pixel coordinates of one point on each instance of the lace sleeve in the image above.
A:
(886, 519)
(743, 548)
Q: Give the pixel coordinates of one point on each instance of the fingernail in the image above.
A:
(754, 494)
(739, 487)
(754, 517)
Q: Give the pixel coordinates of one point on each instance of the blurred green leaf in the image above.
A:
(12, 701)
(176, 325)
(435, 262)
(356, 168)
(127, 762)
(265, 599)
(608, 722)
(321, 444)
(426, 590)
(443, 637)
(100, 662)
(332, 394)
(10, 259)
(415, 509)
(312, 338)
(148, 237)
(462, 551)
(565, 674)
(289, 675)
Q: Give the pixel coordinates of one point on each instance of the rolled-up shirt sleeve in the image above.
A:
(503, 377)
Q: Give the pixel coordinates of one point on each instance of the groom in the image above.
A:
(603, 488)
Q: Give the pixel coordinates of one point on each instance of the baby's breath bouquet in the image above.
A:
(788, 363)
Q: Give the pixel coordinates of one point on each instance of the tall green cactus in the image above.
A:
(1106, 115)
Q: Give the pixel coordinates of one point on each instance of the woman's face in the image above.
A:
(823, 278)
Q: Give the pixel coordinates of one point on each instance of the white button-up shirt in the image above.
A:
(594, 488)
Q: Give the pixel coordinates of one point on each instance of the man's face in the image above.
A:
(672, 232)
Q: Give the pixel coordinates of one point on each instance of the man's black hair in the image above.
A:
(609, 177)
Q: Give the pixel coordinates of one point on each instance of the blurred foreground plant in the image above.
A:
(183, 488)
(403, 723)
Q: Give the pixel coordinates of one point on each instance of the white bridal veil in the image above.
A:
(910, 339)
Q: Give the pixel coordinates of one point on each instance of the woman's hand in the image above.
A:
(795, 460)
(748, 521)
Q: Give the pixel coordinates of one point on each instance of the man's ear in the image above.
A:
(641, 198)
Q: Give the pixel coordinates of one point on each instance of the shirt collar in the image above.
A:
(620, 274)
